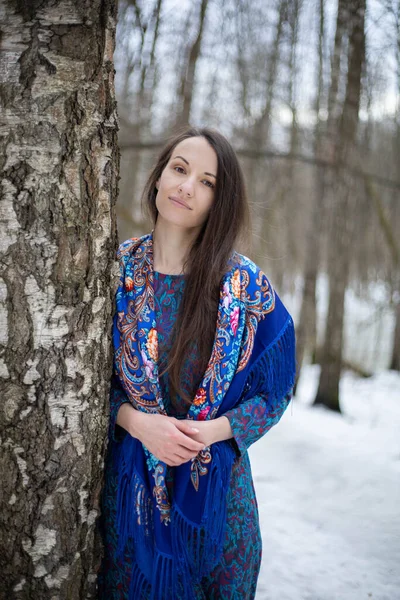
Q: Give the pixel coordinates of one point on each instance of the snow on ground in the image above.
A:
(328, 490)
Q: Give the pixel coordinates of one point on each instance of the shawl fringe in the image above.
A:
(274, 371)
(197, 547)
(134, 518)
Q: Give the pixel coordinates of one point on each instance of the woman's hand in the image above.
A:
(165, 437)
(214, 430)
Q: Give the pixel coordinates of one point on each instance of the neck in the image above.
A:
(171, 245)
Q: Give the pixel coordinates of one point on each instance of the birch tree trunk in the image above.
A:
(59, 169)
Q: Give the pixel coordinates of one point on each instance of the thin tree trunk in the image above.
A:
(135, 126)
(342, 25)
(145, 97)
(59, 170)
(290, 199)
(307, 325)
(259, 138)
(241, 25)
(394, 250)
(188, 77)
(395, 359)
(340, 230)
(262, 125)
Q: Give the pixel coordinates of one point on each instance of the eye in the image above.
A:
(178, 167)
(211, 185)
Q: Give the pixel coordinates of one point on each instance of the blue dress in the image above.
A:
(235, 577)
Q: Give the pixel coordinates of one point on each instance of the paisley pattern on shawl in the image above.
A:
(198, 510)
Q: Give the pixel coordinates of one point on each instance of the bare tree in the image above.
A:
(341, 198)
(395, 359)
(290, 197)
(257, 128)
(185, 93)
(306, 328)
(138, 73)
(59, 169)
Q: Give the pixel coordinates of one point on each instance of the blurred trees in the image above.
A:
(307, 324)
(188, 71)
(341, 191)
(308, 92)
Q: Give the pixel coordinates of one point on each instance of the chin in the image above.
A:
(180, 220)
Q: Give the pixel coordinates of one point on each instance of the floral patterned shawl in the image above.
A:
(177, 540)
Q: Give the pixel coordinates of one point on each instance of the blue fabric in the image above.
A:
(168, 294)
(253, 355)
(235, 576)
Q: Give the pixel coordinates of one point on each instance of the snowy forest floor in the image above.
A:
(328, 490)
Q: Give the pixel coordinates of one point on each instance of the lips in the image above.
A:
(180, 201)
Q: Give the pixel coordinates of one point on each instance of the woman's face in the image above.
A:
(186, 187)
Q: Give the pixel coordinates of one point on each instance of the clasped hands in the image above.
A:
(176, 441)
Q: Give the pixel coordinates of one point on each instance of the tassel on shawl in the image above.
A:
(166, 584)
(198, 547)
(139, 587)
(134, 507)
(274, 371)
(161, 585)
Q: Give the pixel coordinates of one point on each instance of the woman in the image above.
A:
(204, 366)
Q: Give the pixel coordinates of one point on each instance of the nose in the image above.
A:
(186, 188)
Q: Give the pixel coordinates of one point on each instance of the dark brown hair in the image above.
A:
(227, 222)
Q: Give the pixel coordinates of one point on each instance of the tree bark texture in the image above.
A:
(59, 168)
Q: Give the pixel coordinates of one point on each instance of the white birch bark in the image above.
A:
(59, 169)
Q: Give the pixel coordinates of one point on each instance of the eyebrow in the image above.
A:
(184, 160)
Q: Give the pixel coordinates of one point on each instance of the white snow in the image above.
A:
(328, 490)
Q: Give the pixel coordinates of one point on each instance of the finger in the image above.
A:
(174, 461)
(187, 427)
(179, 455)
(185, 454)
(189, 443)
(179, 459)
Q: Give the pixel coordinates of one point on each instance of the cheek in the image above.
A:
(208, 204)
(205, 211)
(166, 178)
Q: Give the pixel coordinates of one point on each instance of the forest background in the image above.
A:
(308, 92)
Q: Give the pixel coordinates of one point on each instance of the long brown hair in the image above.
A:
(227, 223)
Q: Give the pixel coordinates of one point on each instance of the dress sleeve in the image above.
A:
(253, 418)
(117, 397)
